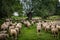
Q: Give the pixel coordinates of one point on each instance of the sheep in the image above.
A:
(19, 25)
(3, 32)
(11, 27)
(54, 30)
(47, 28)
(13, 33)
(32, 21)
(17, 29)
(44, 24)
(39, 27)
(7, 20)
(4, 36)
(27, 23)
(58, 26)
(4, 26)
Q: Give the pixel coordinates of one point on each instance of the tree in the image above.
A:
(44, 8)
(7, 7)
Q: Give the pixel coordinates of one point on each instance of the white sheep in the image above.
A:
(58, 26)
(32, 21)
(17, 29)
(13, 33)
(27, 23)
(47, 28)
(39, 27)
(54, 31)
(44, 24)
(11, 27)
(19, 25)
(3, 36)
(4, 26)
(3, 32)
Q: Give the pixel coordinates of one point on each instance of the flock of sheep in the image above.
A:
(52, 26)
(10, 29)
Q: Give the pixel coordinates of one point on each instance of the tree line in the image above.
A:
(41, 8)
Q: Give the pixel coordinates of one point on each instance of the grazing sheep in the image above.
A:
(17, 29)
(32, 21)
(19, 25)
(27, 23)
(13, 33)
(3, 36)
(54, 31)
(47, 28)
(39, 27)
(7, 20)
(3, 32)
(44, 24)
(58, 26)
(11, 27)
(4, 26)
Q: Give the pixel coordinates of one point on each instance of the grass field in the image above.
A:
(31, 34)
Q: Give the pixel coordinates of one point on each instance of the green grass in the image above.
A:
(31, 34)
(28, 33)
(54, 17)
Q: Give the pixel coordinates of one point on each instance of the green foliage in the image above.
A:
(10, 6)
(54, 17)
(44, 8)
(41, 8)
